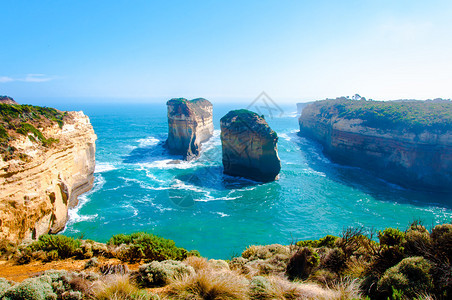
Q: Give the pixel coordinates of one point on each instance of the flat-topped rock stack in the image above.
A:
(249, 146)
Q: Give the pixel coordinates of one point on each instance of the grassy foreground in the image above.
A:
(389, 264)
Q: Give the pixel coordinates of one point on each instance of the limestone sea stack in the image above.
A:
(405, 142)
(47, 161)
(249, 146)
(189, 124)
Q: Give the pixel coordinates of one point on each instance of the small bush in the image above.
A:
(387, 258)
(391, 237)
(32, 289)
(70, 285)
(4, 285)
(147, 246)
(411, 275)
(264, 252)
(418, 242)
(302, 263)
(218, 264)
(161, 273)
(327, 241)
(250, 251)
(64, 246)
(442, 240)
(194, 253)
(335, 260)
(238, 264)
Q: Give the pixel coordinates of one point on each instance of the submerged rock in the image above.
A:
(189, 124)
(249, 146)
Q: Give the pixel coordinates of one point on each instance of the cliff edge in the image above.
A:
(189, 124)
(47, 161)
(249, 146)
(405, 142)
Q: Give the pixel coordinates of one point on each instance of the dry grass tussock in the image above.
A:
(275, 287)
(119, 287)
(197, 263)
(207, 284)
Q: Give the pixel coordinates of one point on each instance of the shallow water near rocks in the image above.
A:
(139, 187)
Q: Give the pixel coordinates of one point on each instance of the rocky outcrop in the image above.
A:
(189, 125)
(249, 146)
(36, 191)
(300, 106)
(7, 100)
(418, 158)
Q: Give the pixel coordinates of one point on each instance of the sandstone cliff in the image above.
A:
(406, 142)
(249, 146)
(49, 168)
(7, 100)
(189, 124)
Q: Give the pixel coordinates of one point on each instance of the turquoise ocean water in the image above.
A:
(139, 187)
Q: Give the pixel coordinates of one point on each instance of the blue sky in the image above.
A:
(292, 50)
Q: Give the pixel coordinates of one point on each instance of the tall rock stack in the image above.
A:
(189, 124)
(249, 146)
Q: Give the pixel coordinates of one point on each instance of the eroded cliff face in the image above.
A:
(418, 160)
(35, 193)
(249, 146)
(189, 124)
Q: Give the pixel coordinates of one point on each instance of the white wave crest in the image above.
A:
(104, 167)
(73, 213)
(169, 164)
(149, 141)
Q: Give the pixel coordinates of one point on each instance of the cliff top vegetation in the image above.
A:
(16, 119)
(240, 117)
(410, 115)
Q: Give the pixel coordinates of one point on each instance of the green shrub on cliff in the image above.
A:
(147, 246)
(391, 237)
(302, 263)
(33, 288)
(63, 245)
(161, 273)
(327, 241)
(411, 276)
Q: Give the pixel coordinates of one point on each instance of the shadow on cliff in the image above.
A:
(366, 181)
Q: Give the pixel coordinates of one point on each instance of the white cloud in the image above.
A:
(4, 79)
(37, 78)
(28, 78)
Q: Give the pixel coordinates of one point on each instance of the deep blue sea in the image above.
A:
(139, 187)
